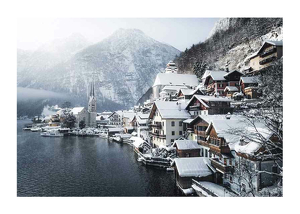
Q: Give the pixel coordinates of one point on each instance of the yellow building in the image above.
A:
(268, 52)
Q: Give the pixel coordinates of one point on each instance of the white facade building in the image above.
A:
(172, 78)
(166, 122)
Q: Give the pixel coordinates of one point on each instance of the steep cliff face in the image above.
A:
(123, 67)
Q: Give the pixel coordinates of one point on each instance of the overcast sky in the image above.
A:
(178, 32)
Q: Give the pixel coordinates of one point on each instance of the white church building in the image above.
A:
(171, 78)
(87, 115)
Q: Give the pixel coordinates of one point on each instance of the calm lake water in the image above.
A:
(84, 166)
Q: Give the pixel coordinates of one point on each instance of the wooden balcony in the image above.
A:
(219, 149)
(220, 166)
(157, 135)
(268, 52)
(156, 125)
(267, 60)
(203, 143)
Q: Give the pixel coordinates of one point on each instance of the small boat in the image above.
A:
(82, 133)
(36, 129)
(27, 129)
(52, 133)
(103, 134)
(89, 132)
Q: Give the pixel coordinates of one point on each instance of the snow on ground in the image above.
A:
(214, 188)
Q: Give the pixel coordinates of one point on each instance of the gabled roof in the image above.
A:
(233, 130)
(77, 110)
(186, 144)
(231, 88)
(129, 115)
(202, 98)
(192, 167)
(173, 87)
(117, 112)
(253, 79)
(227, 74)
(169, 110)
(217, 75)
(271, 42)
(186, 91)
(206, 73)
(176, 79)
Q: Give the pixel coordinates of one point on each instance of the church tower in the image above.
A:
(92, 110)
(92, 99)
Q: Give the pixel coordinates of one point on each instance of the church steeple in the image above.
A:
(92, 99)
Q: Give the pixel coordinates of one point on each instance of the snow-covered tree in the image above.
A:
(67, 118)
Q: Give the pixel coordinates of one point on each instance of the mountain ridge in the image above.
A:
(124, 66)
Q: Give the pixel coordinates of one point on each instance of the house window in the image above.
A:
(230, 179)
(173, 132)
(173, 123)
(172, 140)
(230, 162)
(180, 132)
(274, 169)
(180, 123)
(162, 123)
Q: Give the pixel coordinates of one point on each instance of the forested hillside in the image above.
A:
(245, 34)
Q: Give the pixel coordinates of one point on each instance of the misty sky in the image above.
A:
(178, 32)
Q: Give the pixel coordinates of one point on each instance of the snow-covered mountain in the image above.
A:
(123, 66)
(33, 63)
(221, 24)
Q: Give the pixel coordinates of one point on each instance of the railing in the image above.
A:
(265, 53)
(218, 165)
(156, 125)
(219, 149)
(264, 61)
(157, 135)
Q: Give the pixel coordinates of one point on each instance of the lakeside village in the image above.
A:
(194, 130)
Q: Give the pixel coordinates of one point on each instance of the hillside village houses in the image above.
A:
(199, 121)
(268, 52)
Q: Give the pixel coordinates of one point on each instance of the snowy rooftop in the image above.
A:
(173, 87)
(211, 98)
(232, 72)
(233, 130)
(188, 120)
(273, 42)
(187, 91)
(76, 110)
(192, 167)
(217, 75)
(206, 73)
(231, 88)
(252, 79)
(143, 116)
(175, 79)
(137, 141)
(186, 144)
(129, 115)
(171, 110)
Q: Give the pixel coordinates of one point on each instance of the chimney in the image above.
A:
(179, 106)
